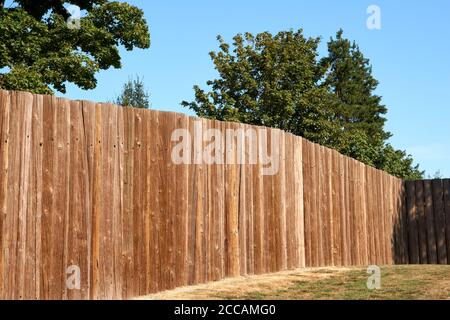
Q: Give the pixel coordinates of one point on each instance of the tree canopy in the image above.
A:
(271, 81)
(280, 81)
(40, 53)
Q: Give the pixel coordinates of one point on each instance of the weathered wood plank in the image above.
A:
(413, 236)
(422, 222)
(429, 215)
(299, 201)
(439, 220)
(447, 215)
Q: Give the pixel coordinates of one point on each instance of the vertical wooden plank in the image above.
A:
(119, 220)
(115, 175)
(167, 209)
(251, 150)
(353, 243)
(11, 171)
(307, 200)
(446, 183)
(88, 128)
(231, 202)
(64, 149)
(110, 205)
(154, 257)
(271, 225)
(405, 224)
(137, 215)
(75, 224)
(343, 176)
(372, 215)
(315, 210)
(328, 202)
(421, 222)
(369, 208)
(280, 203)
(192, 201)
(25, 254)
(401, 249)
(363, 259)
(431, 233)
(357, 212)
(181, 224)
(199, 212)
(59, 205)
(336, 210)
(242, 196)
(391, 203)
(29, 193)
(269, 255)
(412, 223)
(258, 212)
(321, 227)
(291, 221)
(97, 289)
(11, 163)
(396, 253)
(219, 209)
(364, 211)
(206, 237)
(385, 215)
(389, 224)
(299, 200)
(439, 219)
(37, 147)
(5, 106)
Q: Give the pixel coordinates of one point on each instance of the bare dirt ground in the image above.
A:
(397, 282)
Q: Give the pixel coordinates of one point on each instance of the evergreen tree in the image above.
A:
(349, 78)
(134, 94)
(359, 112)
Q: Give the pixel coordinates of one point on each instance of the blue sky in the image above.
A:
(410, 57)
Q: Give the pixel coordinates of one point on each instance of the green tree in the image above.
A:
(349, 78)
(278, 81)
(269, 80)
(359, 112)
(40, 53)
(134, 94)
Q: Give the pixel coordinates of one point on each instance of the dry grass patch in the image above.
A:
(398, 282)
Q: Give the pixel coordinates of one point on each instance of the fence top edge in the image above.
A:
(180, 114)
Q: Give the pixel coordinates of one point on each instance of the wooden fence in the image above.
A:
(428, 219)
(95, 186)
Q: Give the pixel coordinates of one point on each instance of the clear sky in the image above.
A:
(410, 57)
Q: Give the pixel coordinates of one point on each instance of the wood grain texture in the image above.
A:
(429, 215)
(95, 186)
(439, 220)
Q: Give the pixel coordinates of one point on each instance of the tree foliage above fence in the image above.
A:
(279, 81)
(39, 52)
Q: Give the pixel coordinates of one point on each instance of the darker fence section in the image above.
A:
(428, 221)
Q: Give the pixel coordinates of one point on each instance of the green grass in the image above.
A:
(397, 282)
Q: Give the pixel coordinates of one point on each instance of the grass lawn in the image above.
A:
(397, 282)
